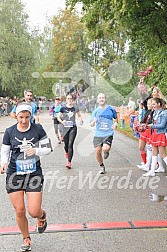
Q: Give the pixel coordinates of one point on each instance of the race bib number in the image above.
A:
(104, 126)
(68, 124)
(25, 166)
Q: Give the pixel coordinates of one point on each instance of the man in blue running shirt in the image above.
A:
(105, 119)
(28, 97)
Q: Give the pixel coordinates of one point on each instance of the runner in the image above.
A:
(67, 118)
(54, 110)
(28, 97)
(103, 117)
(22, 145)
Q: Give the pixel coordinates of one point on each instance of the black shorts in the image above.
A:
(102, 140)
(56, 121)
(27, 183)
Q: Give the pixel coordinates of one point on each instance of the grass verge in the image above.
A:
(126, 131)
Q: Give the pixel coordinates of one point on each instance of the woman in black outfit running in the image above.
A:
(67, 118)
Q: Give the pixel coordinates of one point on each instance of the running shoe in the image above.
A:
(68, 165)
(42, 224)
(66, 155)
(62, 139)
(26, 244)
(106, 154)
(59, 141)
(160, 170)
(102, 170)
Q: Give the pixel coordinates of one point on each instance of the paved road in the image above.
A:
(81, 195)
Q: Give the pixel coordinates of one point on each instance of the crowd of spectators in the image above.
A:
(6, 105)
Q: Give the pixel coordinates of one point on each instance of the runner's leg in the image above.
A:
(99, 157)
(66, 141)
(34, 204)
(17, 200)
(56, 132)
(72, 136)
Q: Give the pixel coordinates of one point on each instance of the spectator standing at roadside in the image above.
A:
(123, 112)
(158, 137)
(131, 105)
(141, 112)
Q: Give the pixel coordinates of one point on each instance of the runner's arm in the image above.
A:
(43, 149)
(13, 115)
(93, 119)
(92, 124)
(80, 118)
(36, 117)
(5, 154)
(13, 112)
(59, 117)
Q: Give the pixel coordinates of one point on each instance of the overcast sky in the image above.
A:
(39, 9)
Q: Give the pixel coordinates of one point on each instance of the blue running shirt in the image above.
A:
(104, 121)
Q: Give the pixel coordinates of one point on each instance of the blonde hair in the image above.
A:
(159, 94)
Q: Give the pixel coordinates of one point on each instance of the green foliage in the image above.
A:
(99, 36)
(143, 24)
(16, 57)
(126, 131)
(68, 41)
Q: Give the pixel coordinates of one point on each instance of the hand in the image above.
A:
(3, 168)
(115, 126)
(92, 124)
(81, 123)
(30, 151)
(149, 126)
(63, 122)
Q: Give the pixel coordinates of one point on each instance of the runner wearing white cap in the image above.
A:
(23, 144)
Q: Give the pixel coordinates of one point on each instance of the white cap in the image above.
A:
(23, 107)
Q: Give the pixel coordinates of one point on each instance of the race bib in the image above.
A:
(25, 166)
(104, 126)
(68, 124)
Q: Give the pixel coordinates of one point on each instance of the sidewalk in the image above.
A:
(81, 195)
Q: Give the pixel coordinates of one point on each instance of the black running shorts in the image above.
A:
(27, 183)
(102, 140)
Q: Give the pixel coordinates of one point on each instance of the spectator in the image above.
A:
(131, 105)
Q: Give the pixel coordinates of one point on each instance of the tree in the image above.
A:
(148, 18)
(16, 55)
(143, 24)
(68, 47)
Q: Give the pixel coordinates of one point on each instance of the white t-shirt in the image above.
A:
(131, 105)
